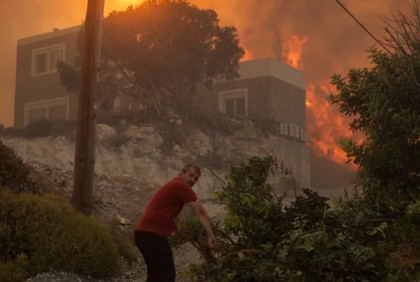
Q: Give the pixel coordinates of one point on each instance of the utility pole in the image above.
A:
(84, 159)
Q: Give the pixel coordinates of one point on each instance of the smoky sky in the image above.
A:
(335, 42)
(23, 18)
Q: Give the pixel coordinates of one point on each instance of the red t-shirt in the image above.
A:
(160, 214)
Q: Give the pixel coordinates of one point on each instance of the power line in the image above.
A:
(371, 35)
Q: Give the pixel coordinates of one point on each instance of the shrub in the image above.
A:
(14, 271)
(43, 128)
(51, 234)
(38, 128)
(262, 239)
(13, 172)
(19, 176)
(219, 123)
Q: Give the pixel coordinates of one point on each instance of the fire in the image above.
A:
(129, 2)
(292, 51)
(248, 55)
(120, 5)
(326, 126)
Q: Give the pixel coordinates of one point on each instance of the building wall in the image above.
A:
(287, 103)
(274, 91)
(270, 93)
(35, 91)
(270, 89)
(296, 156)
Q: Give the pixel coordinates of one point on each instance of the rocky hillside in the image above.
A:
(146, 153)
(133, 158)
(153, 151)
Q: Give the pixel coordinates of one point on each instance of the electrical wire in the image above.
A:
(364, 28)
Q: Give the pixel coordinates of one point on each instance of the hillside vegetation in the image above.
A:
(277, 236)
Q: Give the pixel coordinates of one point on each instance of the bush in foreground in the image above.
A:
(263, 239)
(39, 233)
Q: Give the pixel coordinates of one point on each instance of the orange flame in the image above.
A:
(326, 126)
(248, 55)
(292, 51)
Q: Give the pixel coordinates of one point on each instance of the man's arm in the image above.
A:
(205, 221)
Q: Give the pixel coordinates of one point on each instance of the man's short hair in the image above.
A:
(188, 166)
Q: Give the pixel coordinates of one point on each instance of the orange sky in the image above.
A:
(317, 37)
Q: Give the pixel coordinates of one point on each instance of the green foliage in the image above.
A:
(158, 51)
(69, 77)
(37, 128)
(20, 177)
(170, 45)
(217, 122)
(39, 233)
(263, 239)
(14, 271)
(383, 102)
(43, 128)
(13, 172)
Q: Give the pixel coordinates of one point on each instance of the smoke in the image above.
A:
(334, 42)
(328, 41)
(22, 18)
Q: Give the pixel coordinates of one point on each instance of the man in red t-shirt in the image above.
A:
(159, 221)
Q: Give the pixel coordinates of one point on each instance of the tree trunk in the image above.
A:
(84, 159)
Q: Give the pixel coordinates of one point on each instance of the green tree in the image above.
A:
(369, 237)
(383, 102)
(262, 238)
(159, 51)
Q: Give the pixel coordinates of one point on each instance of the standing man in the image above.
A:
(159, 221)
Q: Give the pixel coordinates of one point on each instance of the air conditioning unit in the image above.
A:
(283, 129)
(294, 130)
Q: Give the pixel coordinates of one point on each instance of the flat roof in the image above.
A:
(271, 67)
(48, 35)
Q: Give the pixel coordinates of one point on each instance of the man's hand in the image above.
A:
(205, 221)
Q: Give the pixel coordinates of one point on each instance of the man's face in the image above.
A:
(190, 176)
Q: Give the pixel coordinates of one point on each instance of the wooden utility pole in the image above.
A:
(84, 159)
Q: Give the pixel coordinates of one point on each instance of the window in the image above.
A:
(44, 60)
(53, 109)
(57, 112)
(37, 114)
(126, 103)
(234, 103)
